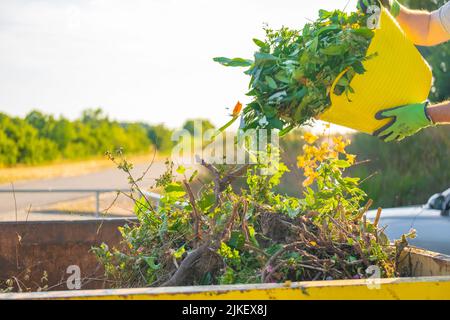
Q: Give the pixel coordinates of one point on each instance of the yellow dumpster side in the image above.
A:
(436, 288)
(420, 287)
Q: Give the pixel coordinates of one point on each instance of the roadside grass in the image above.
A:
(393, 174)
(67, 168)
(406, 172)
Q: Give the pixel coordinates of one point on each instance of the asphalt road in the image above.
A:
(105, 179)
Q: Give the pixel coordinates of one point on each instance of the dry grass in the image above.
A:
(62, 169)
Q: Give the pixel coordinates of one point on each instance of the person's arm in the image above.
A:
(410, 119)
(422, 27)
(440, 113)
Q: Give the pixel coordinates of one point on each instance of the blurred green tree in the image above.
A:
(41, 138)
(189, 125)
(161, 137)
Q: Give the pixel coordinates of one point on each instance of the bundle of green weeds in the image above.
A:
(293, 71)
(213, 233)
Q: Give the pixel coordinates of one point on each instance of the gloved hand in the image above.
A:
(392, 5)
(406, 121)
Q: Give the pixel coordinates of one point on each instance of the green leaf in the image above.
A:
(237, 240)
(306, 30)
(276, 123)
(328, 28)
(314, 44)
(334, 50)
(269, 111)
(358, 67)
(252, 235)
(181, 170)
(364, 32)
(298, 74)
(270, 82)
(293, 212)
(151, 263)
(259, 43)
(323, 14)
(278, 95)
(235, 62)
(301, 93)
(140, 206)
(179, 253)
(207, 201)
(282, 77)
(261, 57)
(174, 190)
(342, 163)
(343, 81)
(174, 187)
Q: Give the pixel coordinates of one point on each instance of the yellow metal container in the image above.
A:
(430, 271)
(399, 75)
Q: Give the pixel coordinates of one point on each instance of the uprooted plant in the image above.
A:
(293, 71)
(219, 235)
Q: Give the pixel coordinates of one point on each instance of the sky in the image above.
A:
(139, 60)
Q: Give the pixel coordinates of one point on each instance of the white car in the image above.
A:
(431, 221)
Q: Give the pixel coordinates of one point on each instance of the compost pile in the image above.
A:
(293, 71)
(220, 235)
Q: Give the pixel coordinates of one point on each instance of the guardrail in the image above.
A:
(150, 195)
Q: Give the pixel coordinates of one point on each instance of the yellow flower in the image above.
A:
(301, 161)
(311, 175)
(333, 154)
(310, 138)
(351, 158)
(340, 144)
(322, 154)
(307, 182)
(315, 155)
(310, 151)
(325, 145)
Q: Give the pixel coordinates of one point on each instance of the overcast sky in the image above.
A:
(148, 60)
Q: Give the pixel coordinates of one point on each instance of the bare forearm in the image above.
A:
(422, 27)
(415, 23)
(440, 113)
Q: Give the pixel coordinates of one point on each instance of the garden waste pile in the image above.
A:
(293, 71)
(205, 233)
(221, 232)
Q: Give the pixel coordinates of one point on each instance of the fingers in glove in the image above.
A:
(384, 129)
(391, 137)
(387, 113)
(385, 134)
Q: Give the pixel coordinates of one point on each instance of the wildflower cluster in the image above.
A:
(315, 155)
(323, 162)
